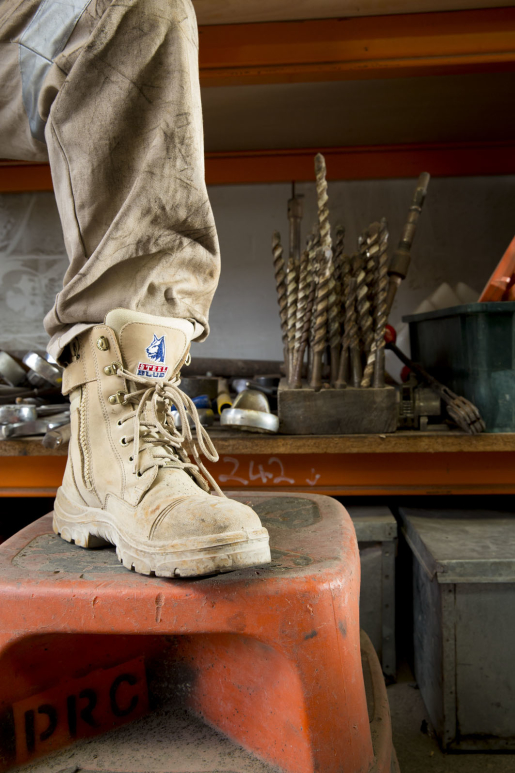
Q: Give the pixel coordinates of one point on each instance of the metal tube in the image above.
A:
(402, 256)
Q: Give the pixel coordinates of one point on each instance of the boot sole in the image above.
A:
(91, 528)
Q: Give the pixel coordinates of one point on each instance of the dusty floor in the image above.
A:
(172, 741)
(417, 748)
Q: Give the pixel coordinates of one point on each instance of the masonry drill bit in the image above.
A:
(334, 325)
(336, 304)
(322, 202)
(369, 250)
(302, 297)
(333, 311)
(350, 358)
(295, 213)
(338, 257)
(280, 283)
(313, 251)
(402, 256)
(320, 315)
(305, 301)
(365, 321)
(343, 364)
(292, 280)
(381, 316)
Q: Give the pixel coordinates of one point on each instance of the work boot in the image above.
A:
(129, 480)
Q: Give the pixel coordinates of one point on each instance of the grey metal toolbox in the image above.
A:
(376, 531)
(464, 623)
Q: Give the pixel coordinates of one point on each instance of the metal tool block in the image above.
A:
(269, 656)
(464, 624)
(337, 411)
(376, 532)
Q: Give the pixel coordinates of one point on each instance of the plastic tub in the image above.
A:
(471, 349)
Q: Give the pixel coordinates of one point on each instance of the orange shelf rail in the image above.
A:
(361, 474)
(394, 46)
(453, 159)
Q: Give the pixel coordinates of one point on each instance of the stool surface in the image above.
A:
(36, 552)
(269, 655)
(305, 537)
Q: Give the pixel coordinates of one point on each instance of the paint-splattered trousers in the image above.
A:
(108, 92)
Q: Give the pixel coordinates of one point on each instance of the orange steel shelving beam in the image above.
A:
(350, 163)
(363, 474)
(396, 46)
(339, 49)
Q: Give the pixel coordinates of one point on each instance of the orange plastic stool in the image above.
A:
(269, 656)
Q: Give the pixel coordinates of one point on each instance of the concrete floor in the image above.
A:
(172, 741)
(416, 746)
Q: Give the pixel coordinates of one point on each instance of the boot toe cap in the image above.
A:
(202, 516)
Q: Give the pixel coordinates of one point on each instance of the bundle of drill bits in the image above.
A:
(334, 307)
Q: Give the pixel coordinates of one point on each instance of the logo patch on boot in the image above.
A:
(155, 351)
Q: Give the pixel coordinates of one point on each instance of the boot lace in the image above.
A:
(154, 426)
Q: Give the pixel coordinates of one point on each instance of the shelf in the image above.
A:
(363, 465)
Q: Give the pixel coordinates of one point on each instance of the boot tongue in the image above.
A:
(153, 347)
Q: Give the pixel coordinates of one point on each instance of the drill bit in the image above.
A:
(344, 273)
(314, 274)
(280, 283)
(291, 294)
(305, 301)
(381, 315)
(320, 317)
(402, 256)
(295, 212)
(365, 321)
(322, 202)
(326, 299)
(369, 249)
(338, 258)
(349, 370)
(302, 296)
(336, 304)
(334, 325)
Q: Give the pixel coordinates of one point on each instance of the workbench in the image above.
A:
(398, 464)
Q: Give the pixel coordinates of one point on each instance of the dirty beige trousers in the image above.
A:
(115, 102)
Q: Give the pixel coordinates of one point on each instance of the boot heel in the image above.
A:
(79, 534)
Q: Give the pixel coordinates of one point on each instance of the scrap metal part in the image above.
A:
(11, 371)
(46, 370)
(462, 411)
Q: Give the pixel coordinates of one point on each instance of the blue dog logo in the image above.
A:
(156, 350)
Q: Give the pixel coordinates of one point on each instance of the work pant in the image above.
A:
(108, 92)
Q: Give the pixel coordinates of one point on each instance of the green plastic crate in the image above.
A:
(471, 349)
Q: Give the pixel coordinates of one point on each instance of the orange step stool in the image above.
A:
(270, 656)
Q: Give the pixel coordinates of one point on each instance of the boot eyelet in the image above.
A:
(103, 344)
(119, 422)
(139, 474)
(123, 441)
(117, 399)
(131, 458)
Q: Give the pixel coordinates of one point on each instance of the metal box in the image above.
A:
(376, 531)
(464, 624)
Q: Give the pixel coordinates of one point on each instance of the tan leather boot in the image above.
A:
(129, 480)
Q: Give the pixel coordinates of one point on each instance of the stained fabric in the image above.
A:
(44, 38)
(124, 138)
